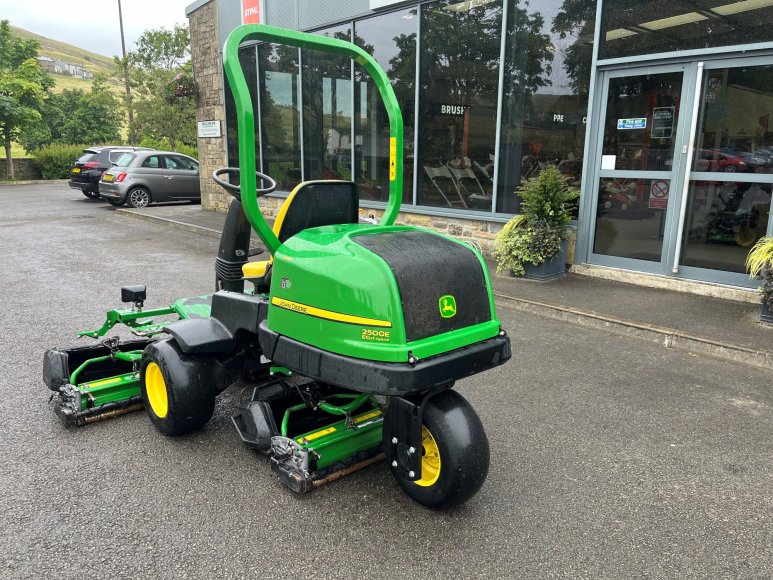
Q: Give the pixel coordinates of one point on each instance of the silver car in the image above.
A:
(142, 177)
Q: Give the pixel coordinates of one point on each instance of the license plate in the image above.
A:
(76, 170)
(107, 178)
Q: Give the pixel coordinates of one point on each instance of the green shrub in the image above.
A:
(55, 161)
(535, 236)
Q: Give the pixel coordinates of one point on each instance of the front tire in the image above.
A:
(138, 197)
(177, 389)
(455, 453)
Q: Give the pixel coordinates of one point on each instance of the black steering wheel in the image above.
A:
(235, 190)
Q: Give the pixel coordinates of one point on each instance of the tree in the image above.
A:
(75, 116)
(23, 86)
(162, 83)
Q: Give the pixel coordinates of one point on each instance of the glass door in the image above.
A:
(728, 192)
(638, 166)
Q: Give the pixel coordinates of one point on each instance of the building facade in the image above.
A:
(658, 111)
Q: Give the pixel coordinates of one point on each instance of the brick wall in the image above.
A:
(24, 168)
(208, 77)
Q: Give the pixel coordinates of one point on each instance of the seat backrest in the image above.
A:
(317, 203)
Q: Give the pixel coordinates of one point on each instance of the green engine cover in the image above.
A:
(380, 293)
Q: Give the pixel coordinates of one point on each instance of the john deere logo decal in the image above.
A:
(447, 305)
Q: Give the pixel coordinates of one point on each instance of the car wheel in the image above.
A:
(88, 193)
(138, 197)
(115, 202)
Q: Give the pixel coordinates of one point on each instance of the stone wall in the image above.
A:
(23, 169)
(208, 77)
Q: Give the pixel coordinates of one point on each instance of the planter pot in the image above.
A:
(555, 268)
(766, 314)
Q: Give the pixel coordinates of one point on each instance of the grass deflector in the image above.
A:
(345, 345)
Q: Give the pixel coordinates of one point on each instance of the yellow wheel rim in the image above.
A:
(155, 387)
(430, 459)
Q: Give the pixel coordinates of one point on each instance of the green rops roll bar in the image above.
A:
(246, 115)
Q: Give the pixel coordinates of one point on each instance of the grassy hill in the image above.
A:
(55, 49)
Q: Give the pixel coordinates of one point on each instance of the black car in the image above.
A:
(89, 167)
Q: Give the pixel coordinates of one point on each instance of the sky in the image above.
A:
(93, 24)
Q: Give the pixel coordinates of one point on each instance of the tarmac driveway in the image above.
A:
(611, 457)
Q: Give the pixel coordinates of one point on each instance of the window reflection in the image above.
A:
(549, 48)
(327, 111)
(279, 114)
(630, 218)
(391, 40)
(248, 64)
(652, 26)
(735, 131)
(724, 219)
(458, 84)
(641, 120)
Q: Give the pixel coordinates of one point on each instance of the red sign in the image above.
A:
(659, 194)
(251, 12)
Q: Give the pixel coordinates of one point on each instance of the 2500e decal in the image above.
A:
(375, 335)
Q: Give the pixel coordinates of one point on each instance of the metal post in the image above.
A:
(132, 136)
(688, 166)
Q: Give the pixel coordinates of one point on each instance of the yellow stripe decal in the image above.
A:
(362, 418)
(104, 382)
(317, 434)
(392, 158)
(328, 314)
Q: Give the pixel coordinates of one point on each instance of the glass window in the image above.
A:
(280, 118)
(124, 159)
(735, 131)
(391, 40)
(152, 162)
(548, 53)
(652, 26)
(458, 84)
(249, 66)
(182, 163)
(327, 111)
(630, 220)
(724, 219)
(734, 137)
(641, 120)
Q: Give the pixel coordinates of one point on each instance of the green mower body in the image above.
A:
(345, 349)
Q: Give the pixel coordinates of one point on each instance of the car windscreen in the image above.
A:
(124, 159)
(87, 156)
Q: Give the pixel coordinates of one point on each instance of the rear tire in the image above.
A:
(88, 193)
(177, 389)
(455, 453)
(115, 202)
(138, 197)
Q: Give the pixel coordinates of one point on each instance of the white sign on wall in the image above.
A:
(209, 128)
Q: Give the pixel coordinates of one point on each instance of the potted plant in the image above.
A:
(532, 243)
(759, 263)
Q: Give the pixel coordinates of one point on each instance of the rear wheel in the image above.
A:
(115, 202)
(178, 390)
(88, 193)
(455, 453)
(138, 197)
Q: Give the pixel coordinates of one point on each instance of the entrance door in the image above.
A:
(638, 166)
(683, 168)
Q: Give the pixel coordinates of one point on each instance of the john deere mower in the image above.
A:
(345, 344)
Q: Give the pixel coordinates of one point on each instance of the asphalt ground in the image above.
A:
(611, 457)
